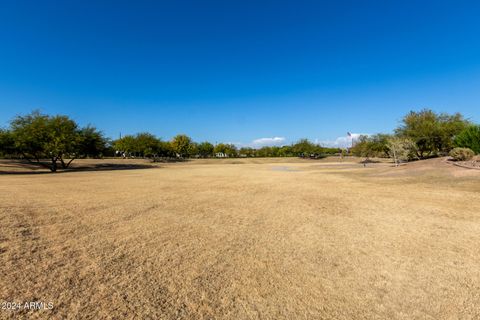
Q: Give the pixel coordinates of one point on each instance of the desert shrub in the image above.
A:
(462, 154)
(371, 146)
(401, 149)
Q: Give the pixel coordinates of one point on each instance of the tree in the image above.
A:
(165, 149)
(146, 144)
(40, 136)
(140, 145)
(193, 150)
(247, 152)
(432, 133)
(364, 147)
(469, 138)
(126, 145)
(182, 145)
(401, 149)
(228, 149)
(7, 144)
(303, 148)
(371, 146)
(92, 142)
(286, 151)
(205, 149)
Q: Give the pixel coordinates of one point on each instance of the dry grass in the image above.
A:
(244, 239)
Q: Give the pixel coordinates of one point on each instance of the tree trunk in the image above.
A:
(64, 166)
(68, 163)
(53, 167)
(395, 157)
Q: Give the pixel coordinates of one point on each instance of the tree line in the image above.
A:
(423, 134)
(56, 141)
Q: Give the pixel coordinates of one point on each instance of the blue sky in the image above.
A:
(238, 71)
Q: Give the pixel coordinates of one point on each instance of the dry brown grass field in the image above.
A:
(242, 239)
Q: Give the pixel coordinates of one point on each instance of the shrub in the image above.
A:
(461, 154)
(401, 149)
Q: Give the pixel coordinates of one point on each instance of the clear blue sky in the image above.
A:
(236, 71)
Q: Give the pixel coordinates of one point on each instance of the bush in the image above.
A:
(462, 154)
(401, 149)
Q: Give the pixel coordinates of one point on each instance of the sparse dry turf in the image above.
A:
(244, 239)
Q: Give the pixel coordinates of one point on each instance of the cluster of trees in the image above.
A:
(54, 141)
(303, 148)
(182, 146)
(421, 135)
(147, 145)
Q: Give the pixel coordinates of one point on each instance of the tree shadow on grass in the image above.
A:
(32, 169)
(366, 161)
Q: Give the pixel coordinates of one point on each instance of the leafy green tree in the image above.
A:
(193, 150)
(182, 145)
(140, 145)
(331, 151)
(304, 148)
(146, 145)
(165, 149)
(7, 144)
(38, 136)
(232, 150)
(363, 147)
(469, 138)
(285, 151)
(371, 146)
(264, 152)
(432, 133)
(126, 144)
(268, 151)
(247, 152)
(228, 149)
(92, 142)
(205, 149)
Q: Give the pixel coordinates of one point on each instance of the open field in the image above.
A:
(242, 239)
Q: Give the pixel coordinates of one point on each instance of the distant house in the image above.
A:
(221, 155)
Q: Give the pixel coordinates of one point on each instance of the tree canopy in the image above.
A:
(432, 133)
(469, 138)
(40, 136)
(182, 145)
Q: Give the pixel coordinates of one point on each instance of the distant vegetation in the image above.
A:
(461, 154)
(469, 138)
(54, 141)
(421, 135)
(58, 139)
